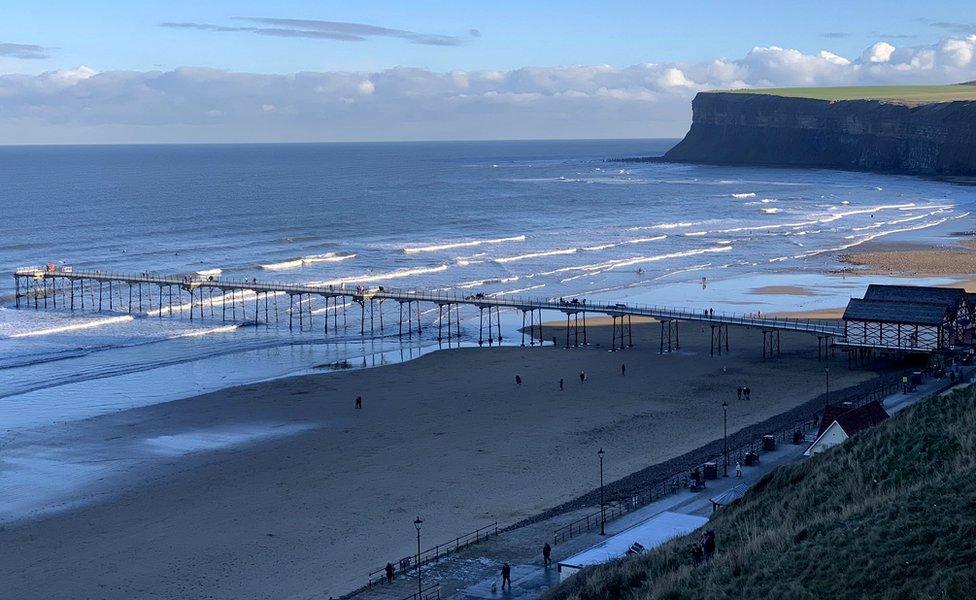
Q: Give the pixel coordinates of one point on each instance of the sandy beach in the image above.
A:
(284, 490)
(957, 259)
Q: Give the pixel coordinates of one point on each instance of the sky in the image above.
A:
(249, 71)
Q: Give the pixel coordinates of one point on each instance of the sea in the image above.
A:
(545, 219)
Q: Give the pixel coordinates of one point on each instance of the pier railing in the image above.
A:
(495, 300)
(434, 554)
(623, 503)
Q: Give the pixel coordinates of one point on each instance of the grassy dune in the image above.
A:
(891, 513)
(907, 94)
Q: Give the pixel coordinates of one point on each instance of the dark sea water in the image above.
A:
(545, 219)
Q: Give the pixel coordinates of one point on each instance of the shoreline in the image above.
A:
(351, 510)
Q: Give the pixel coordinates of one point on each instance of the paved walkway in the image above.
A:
(475, 572)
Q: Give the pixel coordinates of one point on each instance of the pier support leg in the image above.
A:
(523, 329)
(490, 338)
(498, 323)
(613, 335)
(362, 317)
(567, 330)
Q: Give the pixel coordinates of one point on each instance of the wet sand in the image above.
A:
(448, 436)
(956, 259)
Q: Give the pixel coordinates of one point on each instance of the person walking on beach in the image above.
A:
(582, 377)
(623, 370)
(738, 392)
(738, 469)
(506, 576)
(547, 555)
(389, 572)
(748, 393)
(518, 380)
(560, 384)
(359, 402)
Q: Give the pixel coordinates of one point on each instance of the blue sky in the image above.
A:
(100, 71)
(126, 35)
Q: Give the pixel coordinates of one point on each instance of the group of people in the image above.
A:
(704, 549)
(574, 301)
(743, 393)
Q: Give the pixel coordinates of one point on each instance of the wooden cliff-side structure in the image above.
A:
(910, 319)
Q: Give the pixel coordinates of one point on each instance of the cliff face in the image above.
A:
(738, 128)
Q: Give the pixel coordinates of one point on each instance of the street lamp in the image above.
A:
(725, 435)
(827, 377)
(603, 513)
(420, 587)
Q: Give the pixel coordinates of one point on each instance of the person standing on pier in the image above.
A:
(389, 572)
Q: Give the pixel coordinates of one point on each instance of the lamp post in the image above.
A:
(827, 378)
(603, 512)
(420, 586)
(725, 436)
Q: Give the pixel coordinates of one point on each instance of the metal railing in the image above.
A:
(434, 553)
(679, 479)
(617, 309)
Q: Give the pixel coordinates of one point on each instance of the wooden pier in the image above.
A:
(272, 303)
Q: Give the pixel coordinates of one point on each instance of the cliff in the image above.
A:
(936, 138)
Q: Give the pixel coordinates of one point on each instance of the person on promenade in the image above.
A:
(738, 469)
(506, 577)
(560, 384)
(359, 402)
(518, 380)
(623, 370)
(389, 572)
(582, 377)
(547, 554)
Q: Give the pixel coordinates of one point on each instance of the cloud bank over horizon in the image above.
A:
(83, 105)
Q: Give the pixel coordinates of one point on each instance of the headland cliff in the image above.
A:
(935, 138)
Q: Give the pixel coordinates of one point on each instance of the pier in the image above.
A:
(197, 297)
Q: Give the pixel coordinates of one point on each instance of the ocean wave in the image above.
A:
(675, 225)
(373, 277)
(307, 260)
(209, 272)
(468, 244)
(745, 195)
(74, 327)
(544, 253)
(770, 211)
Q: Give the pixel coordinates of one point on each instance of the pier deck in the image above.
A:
(36, 285)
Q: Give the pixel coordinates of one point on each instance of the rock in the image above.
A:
(936, 138)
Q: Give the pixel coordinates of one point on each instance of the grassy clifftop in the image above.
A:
(891, 513)
(905, 94)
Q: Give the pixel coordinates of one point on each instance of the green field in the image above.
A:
(889, 514)
(908, 94)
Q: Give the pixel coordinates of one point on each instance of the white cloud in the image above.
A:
(879, 52)
(651, 99)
